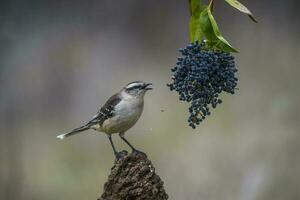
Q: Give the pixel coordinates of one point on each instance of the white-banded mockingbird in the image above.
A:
(119, 113)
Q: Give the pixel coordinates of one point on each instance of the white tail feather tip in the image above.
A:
(62, 136)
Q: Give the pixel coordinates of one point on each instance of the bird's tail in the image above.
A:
(73, 132)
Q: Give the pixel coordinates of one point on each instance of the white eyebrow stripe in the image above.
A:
(131, 85)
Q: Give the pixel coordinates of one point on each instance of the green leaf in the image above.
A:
(236, 4)
(222, 43)
(211, 32)
(206, 25)
(195, 32)
(195, 7)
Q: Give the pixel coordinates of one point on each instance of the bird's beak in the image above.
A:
(147, 86)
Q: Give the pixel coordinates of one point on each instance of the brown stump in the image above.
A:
(133, 177)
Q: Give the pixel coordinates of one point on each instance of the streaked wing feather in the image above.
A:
(106, 112)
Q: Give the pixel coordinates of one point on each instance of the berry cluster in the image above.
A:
(200, 75)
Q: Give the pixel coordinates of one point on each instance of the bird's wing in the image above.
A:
(107, 111)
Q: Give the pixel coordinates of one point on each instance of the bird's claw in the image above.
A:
(136, 152)
(121, 154)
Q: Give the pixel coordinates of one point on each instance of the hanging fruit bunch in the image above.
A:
(206, 67)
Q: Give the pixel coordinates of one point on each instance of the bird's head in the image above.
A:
(136, 89)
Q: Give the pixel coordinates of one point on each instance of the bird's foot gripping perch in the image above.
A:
(136, 152)
(121, 155)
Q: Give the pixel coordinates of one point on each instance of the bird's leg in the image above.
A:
(113, 146)
(124, 139)
(134, 150)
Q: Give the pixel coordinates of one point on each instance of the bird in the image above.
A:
(120, 112)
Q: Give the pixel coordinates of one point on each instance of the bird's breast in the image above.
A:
(126, 114)
(129, 108)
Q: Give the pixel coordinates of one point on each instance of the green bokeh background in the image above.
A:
(61, 60)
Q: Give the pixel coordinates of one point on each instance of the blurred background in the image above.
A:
(61, 60)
